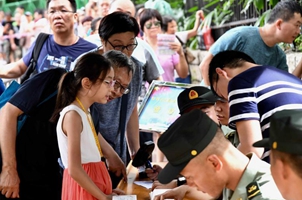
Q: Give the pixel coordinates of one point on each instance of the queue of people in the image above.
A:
(82, 103)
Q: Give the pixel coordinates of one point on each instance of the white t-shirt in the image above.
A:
(89, 149)
(183, 35)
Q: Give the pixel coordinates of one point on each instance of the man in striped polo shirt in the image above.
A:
(254, 94)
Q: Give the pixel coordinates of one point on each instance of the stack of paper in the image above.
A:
(124, 197)
(156, 192)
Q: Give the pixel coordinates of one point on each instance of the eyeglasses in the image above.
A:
(149, 25)
(129, 47)
(109, 83)
(62, 12)
(123, 90)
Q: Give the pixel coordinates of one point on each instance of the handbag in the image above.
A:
(204, 38)
(188, 54)
(207, 37)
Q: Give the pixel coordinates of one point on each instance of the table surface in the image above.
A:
(130, 187)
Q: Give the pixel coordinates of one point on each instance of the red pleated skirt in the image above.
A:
(98, 173)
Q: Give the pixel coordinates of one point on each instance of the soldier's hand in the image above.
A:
(176, 193)
(158, 185)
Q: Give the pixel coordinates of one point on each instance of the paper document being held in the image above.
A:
(163, 44)
(158, 192)
(124, 197)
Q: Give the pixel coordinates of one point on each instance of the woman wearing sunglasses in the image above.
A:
(151, 24)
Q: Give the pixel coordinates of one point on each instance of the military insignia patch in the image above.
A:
(193, 94)
(252, 190)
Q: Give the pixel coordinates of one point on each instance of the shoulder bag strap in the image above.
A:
(184, 50)
(123, 121)
(35, 54)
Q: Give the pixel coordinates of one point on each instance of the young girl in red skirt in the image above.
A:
(85, 175)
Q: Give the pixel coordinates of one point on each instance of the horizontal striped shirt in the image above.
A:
(258, 92)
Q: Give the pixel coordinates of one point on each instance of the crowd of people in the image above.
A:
(18, 31)
(82, 104)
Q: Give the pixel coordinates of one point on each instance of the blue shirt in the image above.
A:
(53, 55)
(247, 39)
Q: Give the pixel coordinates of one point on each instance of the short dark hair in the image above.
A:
(21, 7)
(118, 59)
(293, 160)
(73, 4)
(86, 19)
(166, 21)
(148, 14)
(39, 11)
(8, 14)
(91, 65)
(229, 58)
(284, 10)
(117, 22)
(94, 23)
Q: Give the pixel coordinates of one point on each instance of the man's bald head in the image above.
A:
(125, 6)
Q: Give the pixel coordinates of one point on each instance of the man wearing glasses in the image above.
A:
(152, 69)
(60, 49)
(117, 121)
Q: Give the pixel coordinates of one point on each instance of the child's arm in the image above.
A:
(72, 127)
(115, 164)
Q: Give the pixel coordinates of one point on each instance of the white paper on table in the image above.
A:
(146, 184)
(124, 197)
(158, 192)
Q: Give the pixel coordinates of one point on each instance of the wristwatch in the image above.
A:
(181, 180)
